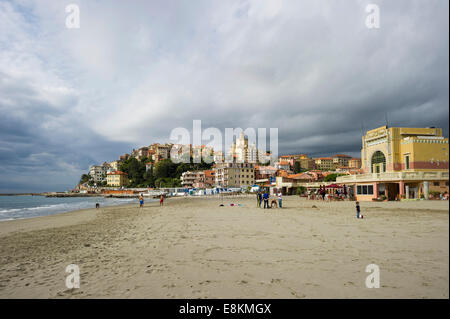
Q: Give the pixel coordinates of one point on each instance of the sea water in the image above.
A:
(27, 206)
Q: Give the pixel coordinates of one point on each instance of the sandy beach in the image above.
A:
(193, 248)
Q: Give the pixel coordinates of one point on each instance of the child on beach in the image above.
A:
(161, 200)
(141, 201)
(358, 211)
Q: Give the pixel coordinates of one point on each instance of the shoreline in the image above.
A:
(70, 210)
(193, 248)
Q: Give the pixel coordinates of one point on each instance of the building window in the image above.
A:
(436, 184)
(407, 161)
(364, 190)
(378, 162)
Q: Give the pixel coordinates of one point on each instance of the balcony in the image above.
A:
(394, 177)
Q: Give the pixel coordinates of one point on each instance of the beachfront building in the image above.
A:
(98, 172)
(324, 163)
(234, 174)
(209, 178)
(289, 183)
(197, 179)
(265, 175)
(188, 178)
(400, 162)
(117, 178)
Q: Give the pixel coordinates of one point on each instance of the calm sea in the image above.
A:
(18, 207)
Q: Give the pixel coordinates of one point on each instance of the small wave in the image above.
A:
(12, 210)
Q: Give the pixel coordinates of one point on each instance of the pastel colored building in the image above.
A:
(341, 160)
(284, 165)
(324, 163)
(234, 174)
(117, 178)
(400, 162)
(354, 163)
(98, 172)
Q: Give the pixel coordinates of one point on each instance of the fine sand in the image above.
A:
(192, 248)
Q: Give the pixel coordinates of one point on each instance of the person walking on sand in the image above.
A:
(258, 199)
(161, 200)
(141, 201)
(280, 200)
(358, 211)
(266, 200)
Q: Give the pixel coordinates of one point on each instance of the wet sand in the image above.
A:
(192, 248)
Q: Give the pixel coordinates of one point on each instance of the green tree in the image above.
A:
(84, 178)
(135, 170)
(297, 168)
(301, 190)
(332, 177)
(149, 177)
(165, 168)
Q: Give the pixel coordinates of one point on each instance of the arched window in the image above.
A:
(378, 162)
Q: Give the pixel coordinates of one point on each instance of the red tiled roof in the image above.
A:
(341, 155)
(209, 173)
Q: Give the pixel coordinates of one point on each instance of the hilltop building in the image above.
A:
(324, 163)
(98, 172)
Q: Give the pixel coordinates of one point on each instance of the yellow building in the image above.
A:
(341, 160)
(399, 148)
(401, 162)
(114, 165)
(117, 178)
(324, 163)
(354, 163)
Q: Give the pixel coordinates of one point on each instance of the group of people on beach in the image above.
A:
(141, 200)
(264, 196)
(323, 194)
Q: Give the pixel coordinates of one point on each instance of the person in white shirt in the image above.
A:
(279, 200)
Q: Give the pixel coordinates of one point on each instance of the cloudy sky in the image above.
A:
(135, 70)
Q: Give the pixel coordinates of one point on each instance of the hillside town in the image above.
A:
(396, 163)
